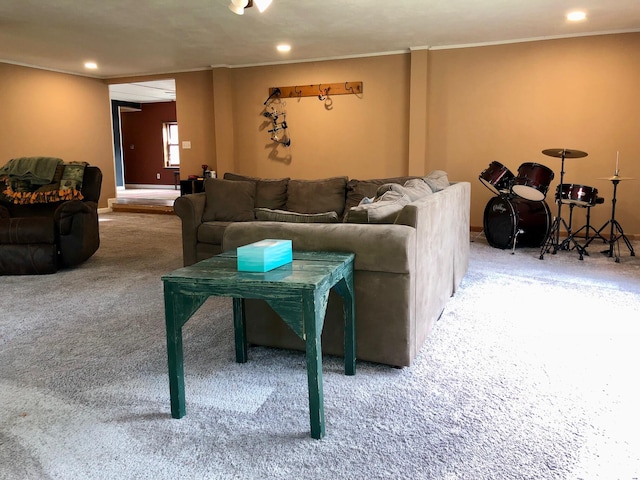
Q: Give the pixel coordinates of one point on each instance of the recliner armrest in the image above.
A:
(66, 211)
(78, 231)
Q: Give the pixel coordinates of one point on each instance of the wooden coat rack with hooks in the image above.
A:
(320, 90)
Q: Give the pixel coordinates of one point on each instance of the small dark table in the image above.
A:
(191, 186)
(298, 292)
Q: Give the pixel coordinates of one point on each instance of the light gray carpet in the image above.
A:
(531, 373)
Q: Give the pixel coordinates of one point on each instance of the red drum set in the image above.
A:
(519, 215)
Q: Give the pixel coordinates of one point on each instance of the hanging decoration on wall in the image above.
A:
(319, 90)
(275, 112)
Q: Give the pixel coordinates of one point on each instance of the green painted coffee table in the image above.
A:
(298, 292)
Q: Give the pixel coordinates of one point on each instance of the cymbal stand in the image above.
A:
(553, 237)
(616, 230)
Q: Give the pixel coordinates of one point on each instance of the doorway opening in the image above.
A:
(140, 113)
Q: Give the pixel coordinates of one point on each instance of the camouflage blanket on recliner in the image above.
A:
(42, 180)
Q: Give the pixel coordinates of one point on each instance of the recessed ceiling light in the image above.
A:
(284, 48)
(576, 16)
(91, 65)
(262, 4)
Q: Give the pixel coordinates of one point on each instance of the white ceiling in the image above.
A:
(159, 36)
(144, 92)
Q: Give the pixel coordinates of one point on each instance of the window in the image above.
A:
(171, 145)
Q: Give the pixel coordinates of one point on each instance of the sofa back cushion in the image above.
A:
(228, 201)
(437, 180)
(317, 196)
(269, 215)
(415, 189)
(385, 209)
(358, 189)
(270, 193)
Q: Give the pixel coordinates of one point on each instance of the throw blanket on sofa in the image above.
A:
(24, 180)
(35, 170)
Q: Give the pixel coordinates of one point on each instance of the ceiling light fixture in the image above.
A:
(576, 16)
(283, 48)
(238, 6)
(91, 65)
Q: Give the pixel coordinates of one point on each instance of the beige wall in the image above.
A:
(510, 102)
(355, 135)
(476, 105)
(54, 114)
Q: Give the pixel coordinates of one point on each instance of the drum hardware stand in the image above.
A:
(515, 240)
(587, 226)
(553, 237)
(616, 229)
(569, 231)
(480, 234)
(571, 205)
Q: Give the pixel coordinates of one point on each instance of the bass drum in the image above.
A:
(504, 216)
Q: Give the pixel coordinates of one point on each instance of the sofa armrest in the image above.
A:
(190, 209)
(378, 248)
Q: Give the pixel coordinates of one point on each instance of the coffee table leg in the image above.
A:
(345, 288)
(178, 308)
(240, 330)
(314, 368)
(174, 354)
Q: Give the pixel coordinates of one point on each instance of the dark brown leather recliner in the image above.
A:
(43, 237)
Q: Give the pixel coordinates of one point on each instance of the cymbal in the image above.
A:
(616, 177)
(563, 152)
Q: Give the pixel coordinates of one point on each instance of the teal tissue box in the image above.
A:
(264, 255)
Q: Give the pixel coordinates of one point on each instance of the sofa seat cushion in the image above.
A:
(212, 232)
(317, 196)
(384, 209)
(228, 201)
(270, 193)
(269, 215)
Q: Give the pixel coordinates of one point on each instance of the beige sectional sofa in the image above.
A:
(411, 245)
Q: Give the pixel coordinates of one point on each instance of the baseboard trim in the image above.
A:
(631, 236)
(150, 186)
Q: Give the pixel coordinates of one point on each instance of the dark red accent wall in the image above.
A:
(142, 147)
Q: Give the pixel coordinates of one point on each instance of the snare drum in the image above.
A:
(497, 178)
(532, 182)
(580, 195)
(504, 217)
